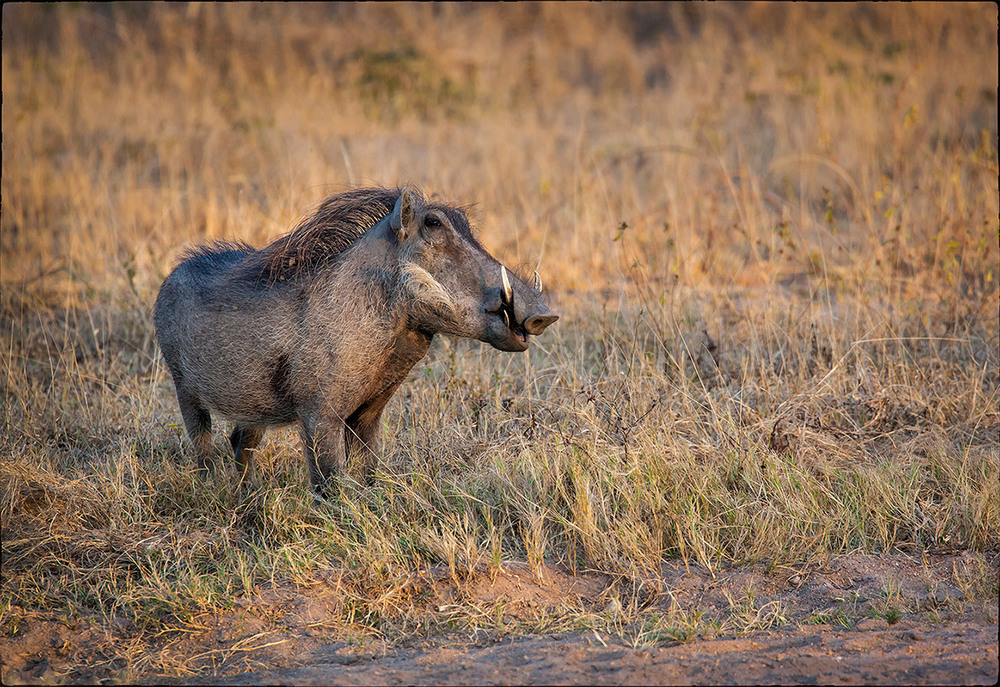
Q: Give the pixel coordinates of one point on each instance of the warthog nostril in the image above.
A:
(537, 324)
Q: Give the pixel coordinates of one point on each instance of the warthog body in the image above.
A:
(321, 326)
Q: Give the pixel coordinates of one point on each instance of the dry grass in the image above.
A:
(771, 230)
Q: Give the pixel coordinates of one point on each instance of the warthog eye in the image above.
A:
(432, 222)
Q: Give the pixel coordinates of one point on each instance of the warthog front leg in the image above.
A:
(323, 445)
(243, 440)
(361, 440)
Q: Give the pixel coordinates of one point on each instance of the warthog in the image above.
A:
(321, 326)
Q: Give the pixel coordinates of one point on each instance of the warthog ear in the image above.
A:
(401, 219)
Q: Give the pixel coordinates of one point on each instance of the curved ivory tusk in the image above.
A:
(508, 293)
(506, 318)
(538, 283)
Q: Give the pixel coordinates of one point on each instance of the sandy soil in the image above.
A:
(827, 624)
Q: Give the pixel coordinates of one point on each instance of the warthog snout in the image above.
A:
(522, 310)
(536, 324)
(320, 327)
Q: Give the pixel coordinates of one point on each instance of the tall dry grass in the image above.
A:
(771, 230)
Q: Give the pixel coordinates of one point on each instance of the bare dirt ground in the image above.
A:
(853, 620)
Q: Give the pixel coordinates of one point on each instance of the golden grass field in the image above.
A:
(771, 232)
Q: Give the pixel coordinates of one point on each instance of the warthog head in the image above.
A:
(458, 287)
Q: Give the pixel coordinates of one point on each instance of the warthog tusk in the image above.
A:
(508, 293)
(538, 283)
(506, 318)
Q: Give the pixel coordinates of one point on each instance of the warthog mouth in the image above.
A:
(506, 309)
(520, 333)
(506, 313)
(535, 320)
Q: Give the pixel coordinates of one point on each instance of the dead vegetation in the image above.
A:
(773, 231)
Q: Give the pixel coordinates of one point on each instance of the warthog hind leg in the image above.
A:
(198, 422)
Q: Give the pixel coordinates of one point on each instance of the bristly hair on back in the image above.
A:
(340, 221)
(321, 237)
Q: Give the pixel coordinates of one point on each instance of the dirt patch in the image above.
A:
(855, 619)
(964, 653)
